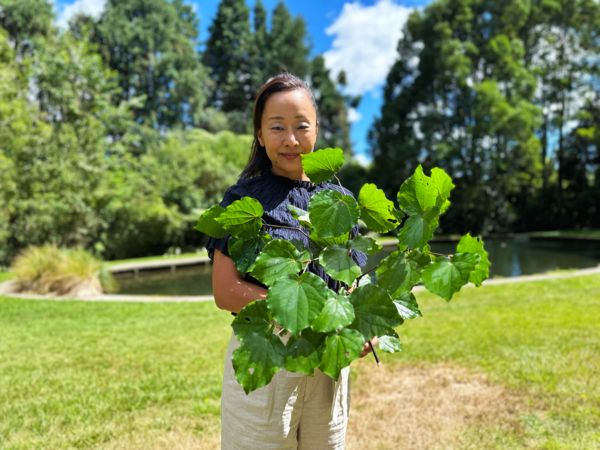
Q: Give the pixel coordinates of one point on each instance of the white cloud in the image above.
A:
(89, 7)
(364, 44)
(353, 115)
(362, 159)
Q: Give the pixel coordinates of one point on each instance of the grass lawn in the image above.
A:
(143, 375)
(581, 234)
(5, 276)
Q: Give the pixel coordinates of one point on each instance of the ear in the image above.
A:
(259, 137)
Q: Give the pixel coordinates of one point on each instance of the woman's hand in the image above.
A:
(367, 348)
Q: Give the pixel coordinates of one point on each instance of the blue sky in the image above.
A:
(358, 36)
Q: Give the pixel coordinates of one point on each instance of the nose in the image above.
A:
(290, 139)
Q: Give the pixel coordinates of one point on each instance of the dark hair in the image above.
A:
(259, 162)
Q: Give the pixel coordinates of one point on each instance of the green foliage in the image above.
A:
(332, 213)
(24, 20)
(334, 128)
(378, 213)
(227, 59)
(288, 49)
(151, 45)
(242, 218)
(326, 329)
(321, 168)
(50, 270)
(277, 259)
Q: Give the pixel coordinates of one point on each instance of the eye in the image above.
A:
(277, 128)
(303, 126)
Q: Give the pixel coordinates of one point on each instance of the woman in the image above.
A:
(293, 411)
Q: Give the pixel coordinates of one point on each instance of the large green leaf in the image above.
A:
(327, 241)
(278, 259)
(338, 263)
(208, 225)
(418, 193)
(446, 277)
(257, 359)
(337, 313)
(300, 215)
(242, 218)
(376, 210)
(244, 252)
(418, 229)
(296, 300)
(419, 258)
(303, 353)
(407, 306)
(340, 350)
(444, 185)
(396, 273)
(470, 244)
(374, 311)
(365, 244)
(390, 344)
(253, 318)
(321, 165)
(332, 213)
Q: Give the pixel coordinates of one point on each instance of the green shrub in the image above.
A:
(51, 270)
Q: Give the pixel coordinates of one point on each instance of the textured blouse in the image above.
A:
(275, 193)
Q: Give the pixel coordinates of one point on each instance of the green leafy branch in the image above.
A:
(319, 327)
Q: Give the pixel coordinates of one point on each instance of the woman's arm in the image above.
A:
(231, 292)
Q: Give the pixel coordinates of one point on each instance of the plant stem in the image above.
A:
(375, 354)
(365, 273)
(290, 228)
(338, 181)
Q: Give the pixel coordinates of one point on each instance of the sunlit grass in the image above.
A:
(122, 375)
(5, 276)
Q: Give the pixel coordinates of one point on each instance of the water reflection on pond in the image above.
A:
(509, 258)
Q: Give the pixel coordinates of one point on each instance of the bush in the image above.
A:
(51, 270)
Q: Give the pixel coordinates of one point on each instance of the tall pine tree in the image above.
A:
(24, 20)
(334, 130)
(151, 44)
(227, 57)
(460, 96)
(287, 42)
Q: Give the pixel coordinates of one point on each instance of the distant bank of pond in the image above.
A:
(510, 258)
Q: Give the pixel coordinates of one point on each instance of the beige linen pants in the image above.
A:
(294, 411)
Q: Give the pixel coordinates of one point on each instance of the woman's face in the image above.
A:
(288, 129)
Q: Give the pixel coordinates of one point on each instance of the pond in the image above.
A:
(509, 258)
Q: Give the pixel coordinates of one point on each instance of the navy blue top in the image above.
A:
(275, 193)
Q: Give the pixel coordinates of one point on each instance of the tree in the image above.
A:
(334, 130)
(562, 45)
(287, 41)
(151, 44)
(227, 57)
(260, 50)
(24, 20)
(460, 96)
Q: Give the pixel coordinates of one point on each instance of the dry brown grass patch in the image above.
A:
(429, 407)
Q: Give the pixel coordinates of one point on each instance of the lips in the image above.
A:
(290, 156)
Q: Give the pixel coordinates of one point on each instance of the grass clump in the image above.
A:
(52, 270)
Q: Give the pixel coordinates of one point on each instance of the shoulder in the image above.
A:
(255, 187)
